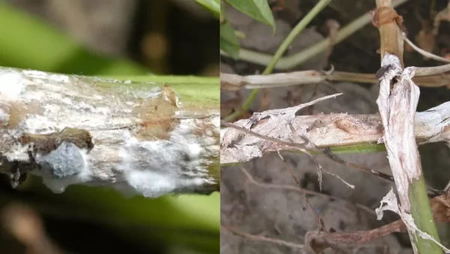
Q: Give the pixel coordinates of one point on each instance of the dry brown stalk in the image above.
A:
(262, 238)
(324, 131)
(397, 103)
(425, 76)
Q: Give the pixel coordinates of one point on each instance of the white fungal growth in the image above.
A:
(155, 168)
(17, 152)
(60, 78)
(150, 168)
(64, 166)
(4, 118)
(41, 124)
(11, 84)
(114, 114)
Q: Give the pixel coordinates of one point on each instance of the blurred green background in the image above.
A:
(137, 39)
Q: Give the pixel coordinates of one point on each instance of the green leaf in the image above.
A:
(228, 40)
(212, 5)
(257, 9)
(27, 42)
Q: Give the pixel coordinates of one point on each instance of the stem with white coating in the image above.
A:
(134, 136)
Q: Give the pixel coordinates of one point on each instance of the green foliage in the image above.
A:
(257, 9)
(27, 42)
(212, 5)
(228, 40)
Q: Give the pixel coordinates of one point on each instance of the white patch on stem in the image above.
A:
(110, 112)
(4, 118)
(18, 152)
(397, 103)
(54, 164)
(11, 84)
(155, 168)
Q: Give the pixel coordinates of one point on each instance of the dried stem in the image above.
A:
(320, 240)
(397, 103)
(344, 133)
(424, 52)
(263, 238)
(425, 76)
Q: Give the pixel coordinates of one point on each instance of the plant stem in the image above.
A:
(289, 62)
(294, 33)
(341, 133)
(397, 103)
(99, 125)
(423, 218)
(280, 51)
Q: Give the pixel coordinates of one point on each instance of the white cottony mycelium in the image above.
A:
(113, 113)
(4, 118)
(149, 168)
(15, 85)
(64, 166)
(173, 165)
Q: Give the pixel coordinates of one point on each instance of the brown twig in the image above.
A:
(424, 52)
(320, 240)
(300, 190)
(263, 238)
(425, 76)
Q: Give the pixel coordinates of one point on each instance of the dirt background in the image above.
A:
(288, 215)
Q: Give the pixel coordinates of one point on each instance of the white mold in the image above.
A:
(155, 168)
(64, 166)
(4, 118)
(11, 84)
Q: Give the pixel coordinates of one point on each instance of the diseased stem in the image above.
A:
(134, 136)
(397, 103)
(344, 133)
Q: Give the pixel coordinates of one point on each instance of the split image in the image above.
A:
(224, 126)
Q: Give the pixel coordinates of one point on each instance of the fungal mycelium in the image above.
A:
(130, 136)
